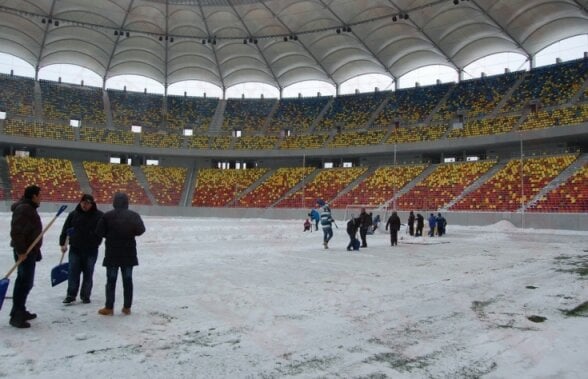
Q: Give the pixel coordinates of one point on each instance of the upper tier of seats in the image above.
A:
(490, 105)
(63, 103)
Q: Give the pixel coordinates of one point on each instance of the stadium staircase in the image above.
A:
(107, 109)
(140, 175)
(320, 116)
(579, 94)
(270, 117)
(558, 180)
(355, 183)
(217, 119)
(401, 191)
(5, 184)
(38, 102)
(298, 186)
(81, 176)
(475, 185)
(253, 186)
(375, 113)
(189, 187)
(506, 96)
(439, 104)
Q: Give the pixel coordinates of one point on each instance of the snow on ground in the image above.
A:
(243, 298)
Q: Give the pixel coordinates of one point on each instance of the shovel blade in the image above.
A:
(3, 289)
(59, 274)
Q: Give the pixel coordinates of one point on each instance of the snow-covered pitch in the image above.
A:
(252, 298)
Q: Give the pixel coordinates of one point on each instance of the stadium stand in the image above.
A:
(106, 179)
(570, 196)
(298, 114)
(380, 186)
(219, 188)
(56, 178)
(446, 182)
(325, 185)
(66, 102)
(16, 95)
(247, 115)
(131, 108)
(165, 183)
(274, 187)
(503, 191)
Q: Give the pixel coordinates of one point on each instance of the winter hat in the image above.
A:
(87, 197)
(320, 202)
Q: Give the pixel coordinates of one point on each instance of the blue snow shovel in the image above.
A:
(60, 273)
(4, 282)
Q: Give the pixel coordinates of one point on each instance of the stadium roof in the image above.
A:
(279, 42)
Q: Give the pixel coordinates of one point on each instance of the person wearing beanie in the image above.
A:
(25, 227)
(119, 227)
(80, 227)
(326, 222)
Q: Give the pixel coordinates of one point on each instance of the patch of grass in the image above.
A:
(478, 307)
(575, 264)
(579, 311)
(536, 318)
(401, 362)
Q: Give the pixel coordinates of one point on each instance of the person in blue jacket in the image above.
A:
(432, 224)
(316, 217)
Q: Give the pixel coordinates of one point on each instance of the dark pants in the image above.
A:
(25, 279)
(394, 237)
(411, 229)
(363, 234)
(316, 224)
(127, 279)
(419, 231)
(327, 234)
(351, 240)
(81, 262)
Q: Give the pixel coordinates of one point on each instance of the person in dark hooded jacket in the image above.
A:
(80, 226)
(119, 227)
(25, 227)
(394, 225)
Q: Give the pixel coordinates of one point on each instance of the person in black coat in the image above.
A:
(365, 222)
(420, 225)
(119, 227)
(25, 227)
(411, 220)
(80, 226)
(352, 226)
(394, 225)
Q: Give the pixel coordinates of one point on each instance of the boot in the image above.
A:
(69, 300)
(126, 311)
(106, 311)
(29, 316)
(18, 320)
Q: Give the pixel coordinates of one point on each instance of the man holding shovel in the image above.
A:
(25, 227)
(80, 225)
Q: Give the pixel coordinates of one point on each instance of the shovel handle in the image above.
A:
(22, 257)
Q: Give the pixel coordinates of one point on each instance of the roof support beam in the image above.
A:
(360, 41)
(267, 64)
(220, 74)
(42, 45)
(121, 27)
(316, 61)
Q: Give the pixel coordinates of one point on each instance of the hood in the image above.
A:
(23, 201)
(120, 201)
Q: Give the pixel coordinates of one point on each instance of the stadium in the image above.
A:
(229, 285)
(507, 146)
